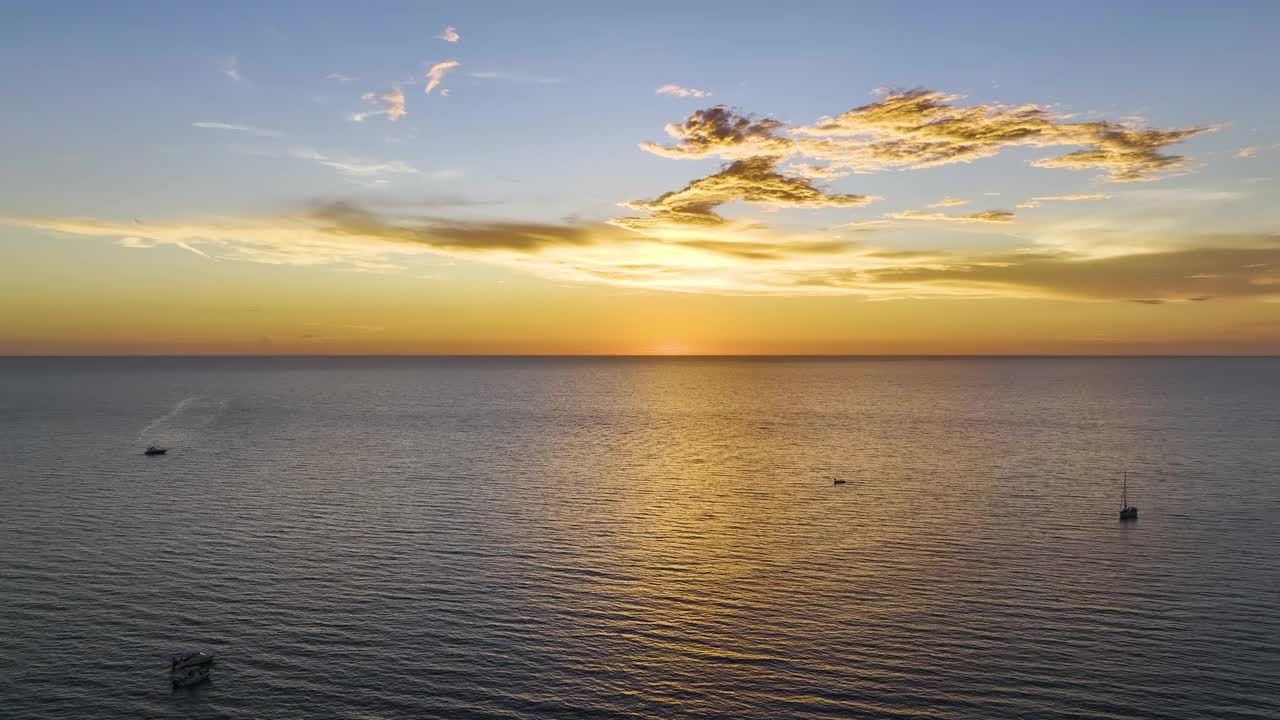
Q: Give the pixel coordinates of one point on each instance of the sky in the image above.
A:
(658, 178)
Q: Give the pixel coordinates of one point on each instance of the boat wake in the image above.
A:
(186, 415)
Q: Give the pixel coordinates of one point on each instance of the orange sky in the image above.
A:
(172, 302)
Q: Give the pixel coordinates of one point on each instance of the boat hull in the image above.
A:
(196, 677)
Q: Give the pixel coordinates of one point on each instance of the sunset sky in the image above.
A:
(775, 178)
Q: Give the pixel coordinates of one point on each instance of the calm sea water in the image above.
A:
(656, 538)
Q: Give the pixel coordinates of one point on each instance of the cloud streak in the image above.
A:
(353, 167)
(231, 68)
(251, 130)
(986, 216)
(514, 77)
(436, 73)
(1036, 202)
(449, 34)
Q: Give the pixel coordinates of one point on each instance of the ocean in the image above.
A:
(517, 538)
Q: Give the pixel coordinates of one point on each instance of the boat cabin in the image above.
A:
(190, 668)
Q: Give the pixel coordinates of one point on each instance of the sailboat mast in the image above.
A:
(1124, 494)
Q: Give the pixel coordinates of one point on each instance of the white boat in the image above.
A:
(190, 668)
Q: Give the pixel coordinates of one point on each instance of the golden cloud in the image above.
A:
(923, 128)
(435, 75)
(679, 91)
(754, 181)
(394, 109)
(911, 129)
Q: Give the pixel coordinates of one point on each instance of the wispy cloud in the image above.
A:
(986, 216)
(355, 167)
(435, 75)
(1073, 198)
(449, 34)
(1249, 151)
(231, 68)
(514, 77)
(1036, 202)
(339, 77)
(260, 132)
(1194, 269)
(679, 91)
(860, 224)
(137, 243)
(949, 202)
(394, 110)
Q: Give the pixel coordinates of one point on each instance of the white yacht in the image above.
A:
(190, 668)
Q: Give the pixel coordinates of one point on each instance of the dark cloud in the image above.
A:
(721, 132)
(346, 218)
(1150, 278)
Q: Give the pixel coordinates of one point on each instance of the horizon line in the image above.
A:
(1028, 356)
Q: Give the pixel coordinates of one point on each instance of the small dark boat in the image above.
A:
(155, 450)
(1127, 511)
(190, 668)
(837, 482)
